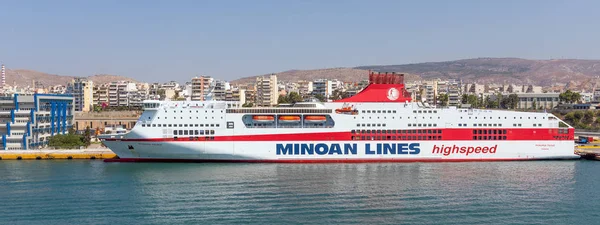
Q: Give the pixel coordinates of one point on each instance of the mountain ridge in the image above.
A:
(570, 73)
(26, 77)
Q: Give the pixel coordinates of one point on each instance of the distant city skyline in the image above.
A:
(159, 41)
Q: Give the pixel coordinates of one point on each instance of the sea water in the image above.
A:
(94, 192)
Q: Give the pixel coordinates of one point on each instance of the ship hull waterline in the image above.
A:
(337, 152)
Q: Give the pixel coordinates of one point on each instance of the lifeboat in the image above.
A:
(315, 119)
(346, 110)
(289, 119)
(264, 118)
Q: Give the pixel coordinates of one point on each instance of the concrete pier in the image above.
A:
(588, 152)
(57, 154)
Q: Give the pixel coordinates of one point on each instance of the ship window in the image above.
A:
(195, 125)
(519, 124)
(474, 125)
(180, 132)
(185, 132)
(212, 131)
(358, 124)
(185, 125)
(383, 124)
(153, 125)
(143, 125)
(534, 124)
(474, 137)
(174, 132)
(378, 111)
(474, 131)
(409, 124)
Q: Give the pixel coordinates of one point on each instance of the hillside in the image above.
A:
(572, 73)
(24, 78)
(577, 73)
(343, 74)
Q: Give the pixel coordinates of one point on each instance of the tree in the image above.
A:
(443, 98)
(248, 104)
(97, 108)
(338, 94)
(473, 101)
(569, 97)
(510, 102)
(588, 117)
(282, 99)
(320, 97)
(67, 141)
(464, 99)
(87, 137)
(533, 104)
(161, 93)
(294, 97)
(513, 101)
(499, 100)
(490, 104)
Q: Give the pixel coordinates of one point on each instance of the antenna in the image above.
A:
(3, 76)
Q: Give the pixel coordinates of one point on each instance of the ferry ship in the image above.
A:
(379, 124)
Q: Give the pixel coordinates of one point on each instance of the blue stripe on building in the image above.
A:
(16, 101)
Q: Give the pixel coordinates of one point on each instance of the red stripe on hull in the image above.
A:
(322, 160)
(447, 134)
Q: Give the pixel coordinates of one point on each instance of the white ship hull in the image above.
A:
(371, 151)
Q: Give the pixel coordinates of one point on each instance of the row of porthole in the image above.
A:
(505, 118)
(181, 125)
(206, 117)
(197, 111)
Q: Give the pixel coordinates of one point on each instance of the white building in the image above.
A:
(83, 94)
(267, 93)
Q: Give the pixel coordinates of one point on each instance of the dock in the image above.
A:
(89, 154)
(588, 152)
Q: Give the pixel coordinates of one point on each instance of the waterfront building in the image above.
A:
(323, 87)
(539, 100)
(28, 121)
(267, 93)
(102, 120)
(83, 93)
(201, 87)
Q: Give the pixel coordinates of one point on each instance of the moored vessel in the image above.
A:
(379, 124)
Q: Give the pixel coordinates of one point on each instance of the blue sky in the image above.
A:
(175, 40)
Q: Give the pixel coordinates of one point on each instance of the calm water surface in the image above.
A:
(94, 192)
